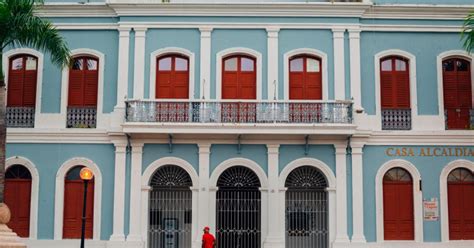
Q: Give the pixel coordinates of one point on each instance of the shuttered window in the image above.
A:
(457, 91)
(83, 82)
(172, 77)
(22, 78)
(395, 83)
(239, 78)
(305, 78)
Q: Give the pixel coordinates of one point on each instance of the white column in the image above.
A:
(341, 194)
(275, 237)
(203, 207)
(339, 68)
(139, 64)
(119, 191)
(272, 51)
(205, 80)
(135, 193)
(195, 230)
(354, 45)
(122, 78)
(357, 194)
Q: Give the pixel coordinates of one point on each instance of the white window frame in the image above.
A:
(101, 122)
(331, 179)
(145, 193)
(59, 196)
(443, 196)
(439, 65)
(238, 51)
(39, 77)
(302, 51)
(34, 190)
(413, 92)
(417, 200)
(171, 50)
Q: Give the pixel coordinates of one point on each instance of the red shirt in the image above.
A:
(208, 240)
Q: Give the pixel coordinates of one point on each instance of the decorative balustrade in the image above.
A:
(228, 111)
(20, 117)
(81, 117)
(396, 119)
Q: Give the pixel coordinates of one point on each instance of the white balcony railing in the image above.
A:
(235, 111)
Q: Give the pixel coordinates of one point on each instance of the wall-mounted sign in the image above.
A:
(429, 152)
(430, 209)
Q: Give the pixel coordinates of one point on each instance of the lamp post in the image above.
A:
(86, 175)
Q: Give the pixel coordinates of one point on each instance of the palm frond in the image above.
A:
(467, 34)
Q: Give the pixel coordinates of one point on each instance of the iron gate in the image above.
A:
(238, 207)
(306, 209)
(170, 205)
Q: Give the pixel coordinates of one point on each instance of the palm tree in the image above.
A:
(20, 27)
(468, 33)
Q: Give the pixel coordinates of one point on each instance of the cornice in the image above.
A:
(418, 11)
(75, 10)
(422, 138)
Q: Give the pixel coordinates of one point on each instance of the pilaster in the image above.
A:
(122, 78)
(357, 193)
(339, 65)
(203, 202)
(341, 194)
(272, 73)
(119, 190)
(354, 46)
(135, 193)
(139, 62)
(205, 80)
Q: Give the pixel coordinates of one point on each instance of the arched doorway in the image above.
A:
(18, 197)
(73, 202)
(460, 204)
(238, 209)
(457, 93)
(306, 209)
(398, 205)
(170, 208)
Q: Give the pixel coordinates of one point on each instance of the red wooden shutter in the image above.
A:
(91, 80)
(172, 78)
(22, 81)
(460, 204)
(305, 81)
(457, 92)
(239, 82)
(398, 205)
(17, 197)
(83, 82)
(394, 83)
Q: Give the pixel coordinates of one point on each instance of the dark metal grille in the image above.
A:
(81, 117)
(396, 119)
(170, 208)
(306, 209)
(17, 171)
(238, 207)
(20, 116)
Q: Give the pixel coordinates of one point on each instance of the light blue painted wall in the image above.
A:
(425, 46)
(430, 169)
(127, 191)
(315, 39)
(104, 41)
(48, 158)
(423, 1)
(325, 153)
(188, 152)
(220, 153)
(347, 64)
(254, 39)
(183, 38)
(350, 218)
(131, 64)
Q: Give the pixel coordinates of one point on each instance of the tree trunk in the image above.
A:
(3, 131)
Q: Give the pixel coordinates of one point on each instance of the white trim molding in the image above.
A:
(205, 62)
(417, 198)
(244, 51)
(443, 195)
(324, 69)
(330, 177)
(339, 63)
(171, 50)
(439, 66)
(413, 90)
(59, 196)
(100, 90)
(34, 190)
(145, 189)
(39, 76)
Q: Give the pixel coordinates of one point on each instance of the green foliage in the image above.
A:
(20, 27)
(468, 33)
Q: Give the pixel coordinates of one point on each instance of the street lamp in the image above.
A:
(86, 175)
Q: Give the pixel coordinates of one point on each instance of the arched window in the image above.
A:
(82, 93)
(398, 205)
(239, 77)
(306, 208)
(170, 208)
(21, 99)
(457, 89)
(18, 197)
(73, 202)
(395, 93)
(460, 204)
(172, 77)
(305, 78)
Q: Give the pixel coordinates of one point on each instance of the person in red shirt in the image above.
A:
(208, 240)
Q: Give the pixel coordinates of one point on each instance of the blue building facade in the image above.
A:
(278, 124)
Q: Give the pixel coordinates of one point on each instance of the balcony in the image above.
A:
(396, 119)
(22, 117)
(230, 116)
(81, 117)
